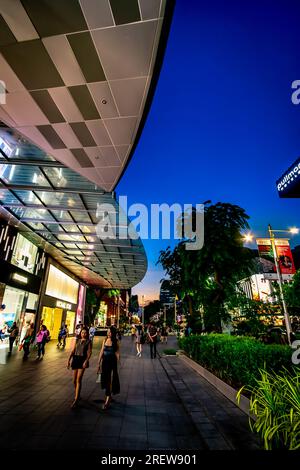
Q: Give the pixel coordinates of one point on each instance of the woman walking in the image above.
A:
(14, 331)
(27, 340)
(80, 356)
(41, 339)
(140, 339)
(109, 357)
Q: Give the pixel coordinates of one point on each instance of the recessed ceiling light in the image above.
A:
(104, 101)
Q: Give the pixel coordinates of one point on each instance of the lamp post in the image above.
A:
(248, 238)
(278, 271)
(143, 306)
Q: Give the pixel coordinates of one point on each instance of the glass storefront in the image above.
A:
(60, 303)
(70, 322)
(52, 318)
(14, 300)
(20, 306)
(16, 303)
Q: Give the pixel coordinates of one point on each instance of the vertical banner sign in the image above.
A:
(266, 257)
(284, 256)
(80, 305)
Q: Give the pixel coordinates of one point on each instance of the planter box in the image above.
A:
(223, 387)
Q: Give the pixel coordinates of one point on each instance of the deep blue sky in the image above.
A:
(222, 125)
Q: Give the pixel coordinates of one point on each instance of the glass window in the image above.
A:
(32, 301)
(24, 254)
(23, 175)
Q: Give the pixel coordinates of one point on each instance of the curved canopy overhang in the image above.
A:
(56, 208)
(80, 75)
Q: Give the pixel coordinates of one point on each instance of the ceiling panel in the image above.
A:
(104, 99)
(23, 109)
(97, 14)
(125, 12)
(67, 54)
(126, 51)
(51, 18)
(87, 57)
(62, 55)
(129, 95)
(66, 104)
(121, 129)
(149, 9)
(17, 19)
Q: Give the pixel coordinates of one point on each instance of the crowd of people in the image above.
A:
(109, 356)
(30, 339)
(149, 334)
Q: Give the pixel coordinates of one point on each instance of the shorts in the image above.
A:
(77, 362)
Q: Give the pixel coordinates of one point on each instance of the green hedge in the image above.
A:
(236, 360)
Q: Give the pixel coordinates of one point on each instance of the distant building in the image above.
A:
(166, 296)
(257, 287)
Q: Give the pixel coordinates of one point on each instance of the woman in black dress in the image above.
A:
(80, 356)
(109, 356)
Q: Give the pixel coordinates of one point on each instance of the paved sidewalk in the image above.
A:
(163, 404)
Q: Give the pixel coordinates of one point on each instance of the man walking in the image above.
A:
(152, 337)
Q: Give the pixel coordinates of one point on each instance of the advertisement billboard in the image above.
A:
(284, 257)
(288, 185)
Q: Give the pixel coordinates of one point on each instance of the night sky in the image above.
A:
(222, 125)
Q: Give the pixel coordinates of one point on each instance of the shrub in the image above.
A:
(170, 352)
(236, 360)
(275, 402)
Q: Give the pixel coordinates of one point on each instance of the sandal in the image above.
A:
(106, 404)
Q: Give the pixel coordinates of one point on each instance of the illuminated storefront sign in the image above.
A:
(81, 304)
(289, 183)
(64, 305)
(18, 277)
(61, 286)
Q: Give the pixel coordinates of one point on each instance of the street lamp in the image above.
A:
(143, 306)
(248, 238)
(278, 271)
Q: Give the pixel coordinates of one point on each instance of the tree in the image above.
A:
(151, 309)
(207, 277)
(94, 296)
(291, 294)
(133, 306)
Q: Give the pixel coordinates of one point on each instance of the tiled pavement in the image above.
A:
(163, 404)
